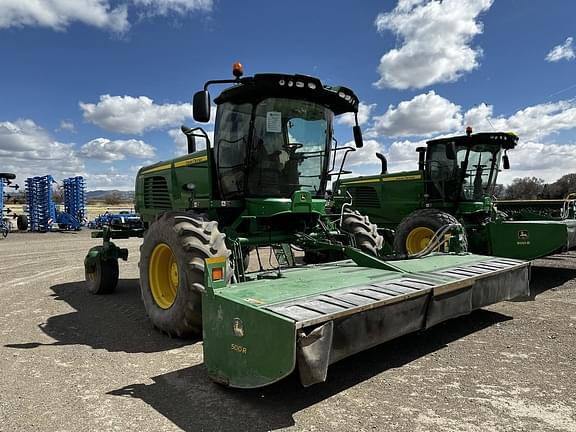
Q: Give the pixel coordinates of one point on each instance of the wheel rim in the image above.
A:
(163, 276)
(418, 239)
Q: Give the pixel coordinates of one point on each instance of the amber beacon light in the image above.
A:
(238, 69)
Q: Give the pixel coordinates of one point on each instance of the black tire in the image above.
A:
(190, 239)
(365, 232)
(22, 222)
(101, 275)
(7, 176)
(433, 219)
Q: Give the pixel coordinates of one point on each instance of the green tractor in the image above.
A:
(261, 186)
(453, 184)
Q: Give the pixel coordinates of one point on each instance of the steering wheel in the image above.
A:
(292, 146)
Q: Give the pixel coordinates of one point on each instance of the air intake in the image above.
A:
(364, 196)
(156, 193)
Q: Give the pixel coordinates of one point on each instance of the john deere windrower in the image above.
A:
(454, 183)
(261, 185)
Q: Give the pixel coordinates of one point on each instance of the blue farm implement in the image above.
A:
(42, 210)
(6, 213)
(124, 219)
(4, 182)
(74, 202)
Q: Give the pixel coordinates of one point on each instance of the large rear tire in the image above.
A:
(417, 229)
(365, 235)
(365, 232)
(172, 270)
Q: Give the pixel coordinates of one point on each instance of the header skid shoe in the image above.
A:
(258, 332)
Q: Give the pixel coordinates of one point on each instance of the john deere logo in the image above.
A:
(523, 235)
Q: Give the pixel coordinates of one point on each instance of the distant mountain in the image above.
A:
(102, 194)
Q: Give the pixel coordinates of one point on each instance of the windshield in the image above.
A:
(481, 172)
(477, 177)
(287, 148)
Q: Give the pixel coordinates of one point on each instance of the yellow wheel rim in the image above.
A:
(418, 239)
(163, 276)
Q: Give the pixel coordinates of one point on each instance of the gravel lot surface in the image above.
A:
(70, 361)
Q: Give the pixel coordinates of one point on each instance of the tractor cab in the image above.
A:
(274, 133)
(465, 168)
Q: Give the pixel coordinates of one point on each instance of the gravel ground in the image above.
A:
(70, 361)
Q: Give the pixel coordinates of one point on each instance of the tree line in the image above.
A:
(537, 188)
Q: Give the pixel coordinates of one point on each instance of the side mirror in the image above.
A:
(506, 162)
(451, 151)
(201, 106)
(358, 136)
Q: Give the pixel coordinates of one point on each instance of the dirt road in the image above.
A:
(70, 361)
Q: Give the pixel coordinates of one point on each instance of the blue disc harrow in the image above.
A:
(74, 203)
(41, 207)
(42, 211)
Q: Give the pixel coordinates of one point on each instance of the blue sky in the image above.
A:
(100, 87)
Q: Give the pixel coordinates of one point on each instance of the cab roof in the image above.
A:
(507, 140)
(261, 86)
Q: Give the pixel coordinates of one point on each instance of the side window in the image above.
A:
(233, 125)
(441, 168)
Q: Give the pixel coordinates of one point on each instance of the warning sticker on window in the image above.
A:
(274, 122)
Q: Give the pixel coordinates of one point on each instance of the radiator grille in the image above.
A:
(156, 193)
(364, 196)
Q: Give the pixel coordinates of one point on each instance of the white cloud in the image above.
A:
(59, 14)
(163, 7)
(182, 143)
(435, 41)
(531, 123)
(360, 160)
(67, 125)
(562, 52)
(27, 150)
(110, 180)
(536, 154)
(127, 114)
(364, 112)
(536, 159)
(402, 155)
(423, 115)
(111, 150)
(105, 14)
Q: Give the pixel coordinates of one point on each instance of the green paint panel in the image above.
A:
(386, 199)
(527, 239)
(161, 187)
(245, 347)
(273, 206)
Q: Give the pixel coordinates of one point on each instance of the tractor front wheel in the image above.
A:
(417, 229)
(22, 222)
(172, 270)
(101, 275)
